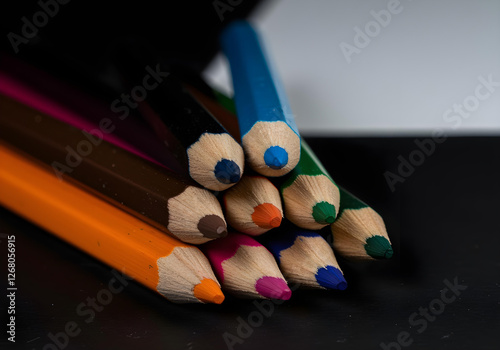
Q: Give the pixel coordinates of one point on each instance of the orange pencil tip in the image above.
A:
(208, 291)
(267, 216)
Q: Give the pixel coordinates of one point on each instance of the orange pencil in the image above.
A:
(177, 271)
(253, 205)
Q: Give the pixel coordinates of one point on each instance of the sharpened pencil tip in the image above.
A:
(267, 216)
(331, 277)
(212, 226)
(227, 171)
(324, 213)
(208, 291)
(275, 222)
(273, 288)
(276, 157)
(379, 247)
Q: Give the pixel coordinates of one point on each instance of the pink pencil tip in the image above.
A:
(273, 288)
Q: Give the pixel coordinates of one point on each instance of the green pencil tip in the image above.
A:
(378, 247)
(324, 213)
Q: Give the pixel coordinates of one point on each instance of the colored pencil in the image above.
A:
(253, 205)
(269, 134)
(15, 89)
(310, 196)
(305, 258)
(86, 106)
(177, 271)
(211, 155)
(220, 111)
(170, 202)
(359, 231)
(246, 268)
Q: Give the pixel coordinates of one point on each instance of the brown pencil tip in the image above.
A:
(212, 226)
(267, 216)
(208, 291)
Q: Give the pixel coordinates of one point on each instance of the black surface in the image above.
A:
(442, 221)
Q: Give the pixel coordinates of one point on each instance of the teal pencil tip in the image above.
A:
(276, 157)
(324, 213)
(378, 247)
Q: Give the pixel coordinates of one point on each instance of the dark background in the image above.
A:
(442, 220)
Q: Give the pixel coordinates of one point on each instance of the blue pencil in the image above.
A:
(304, 257)
(269, 134)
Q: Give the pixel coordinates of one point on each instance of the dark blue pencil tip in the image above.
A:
(331, 277)
(275, 157)
(227, 171)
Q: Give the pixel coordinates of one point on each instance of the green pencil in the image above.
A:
(359, 231)
(310, 196)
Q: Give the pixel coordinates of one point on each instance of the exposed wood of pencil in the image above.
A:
(253, 206)
(310, 196)
(305, 258)
(246, 268)
(179, 272)
(359, 231)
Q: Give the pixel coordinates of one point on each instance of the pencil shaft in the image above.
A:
(83, 105)
(268, 131)
(259, 94)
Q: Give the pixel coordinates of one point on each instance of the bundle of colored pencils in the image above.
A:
(134, 189)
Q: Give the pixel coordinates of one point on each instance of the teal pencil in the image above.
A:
(359, 231)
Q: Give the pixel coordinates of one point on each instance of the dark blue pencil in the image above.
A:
(304, 257)
(268, 132)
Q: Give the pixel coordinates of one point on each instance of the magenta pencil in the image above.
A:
(246, 268)
(20, 92)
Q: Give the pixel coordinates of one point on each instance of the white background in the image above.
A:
(425, 60)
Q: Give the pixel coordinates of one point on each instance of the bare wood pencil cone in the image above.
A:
(177, 271)
(305, 258)
(311, 201)
(253, 206)
(246, 268)
(268, 158)
(359, 231)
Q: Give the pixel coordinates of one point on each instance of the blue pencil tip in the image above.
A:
(227, 171)
(275, 157)
(331, 277)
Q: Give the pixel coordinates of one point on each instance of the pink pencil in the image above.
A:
(14, 89)
(246, 268)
